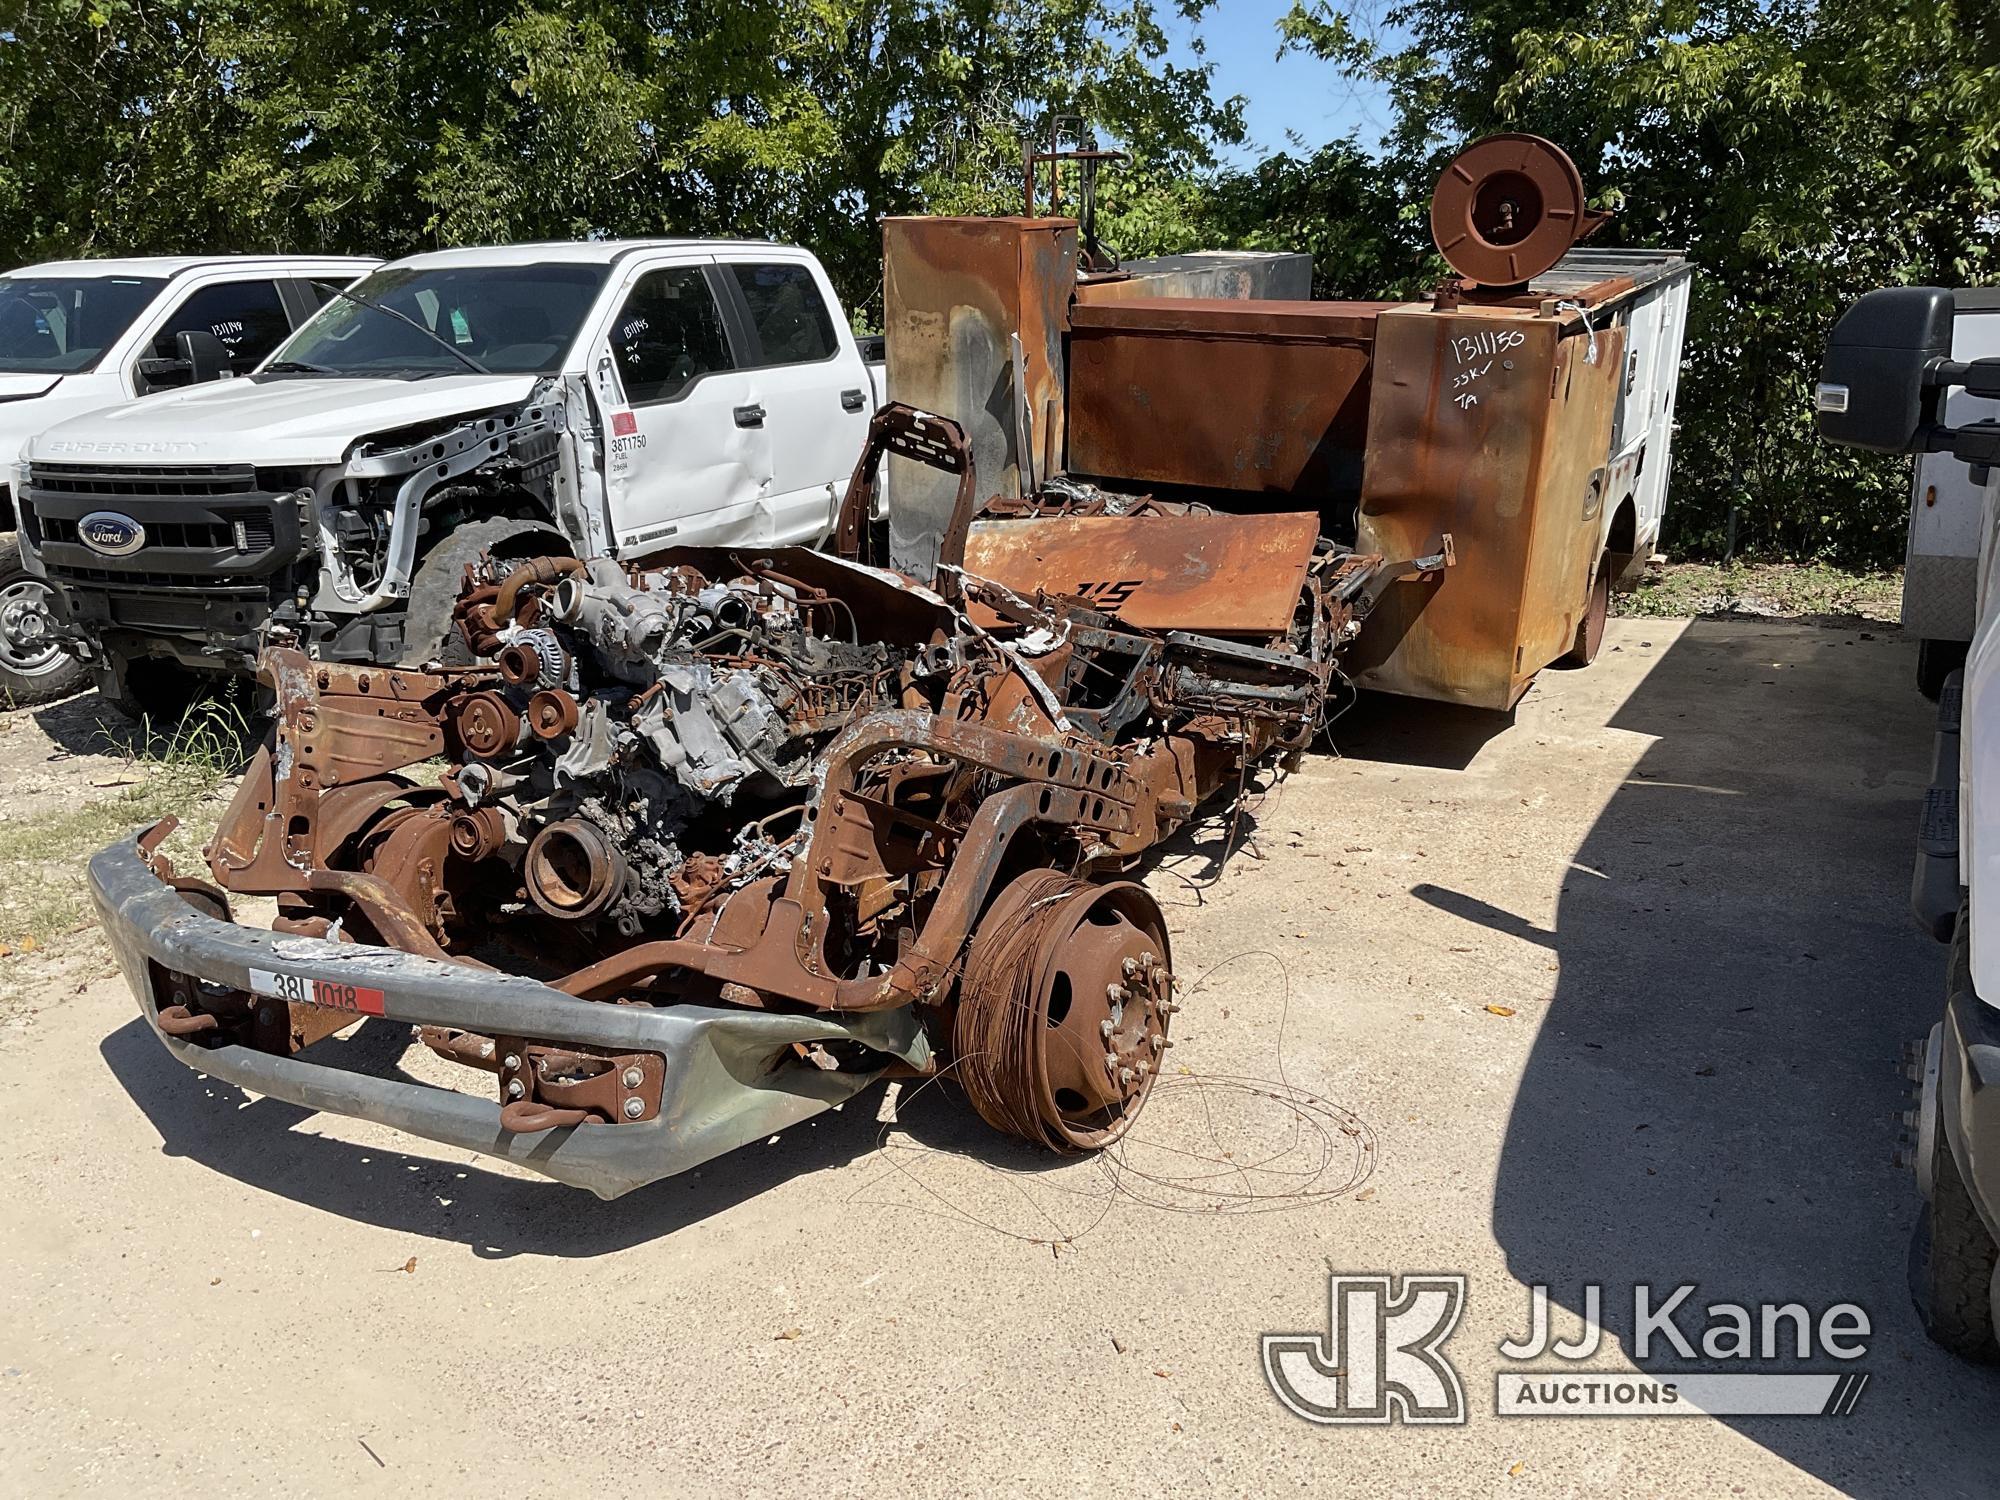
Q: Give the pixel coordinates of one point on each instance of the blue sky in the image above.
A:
(1293, 93)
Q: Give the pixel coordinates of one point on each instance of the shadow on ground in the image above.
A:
(259, 1142)
(1712, 1097)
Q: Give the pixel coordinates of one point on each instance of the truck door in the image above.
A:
(686, 457)
(247, 316)
(812, 385)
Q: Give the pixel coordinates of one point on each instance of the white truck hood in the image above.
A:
(285, 420)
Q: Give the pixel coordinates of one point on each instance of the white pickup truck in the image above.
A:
(80, 335)
(1894, 381)
(605, 399)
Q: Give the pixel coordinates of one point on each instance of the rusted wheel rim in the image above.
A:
(1597, 609)
(1065, 1010)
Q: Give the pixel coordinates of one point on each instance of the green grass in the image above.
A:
(44, 895)
(1778, 590)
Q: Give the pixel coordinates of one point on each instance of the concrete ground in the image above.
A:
(1608, 993)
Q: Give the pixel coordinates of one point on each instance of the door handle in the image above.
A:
(853, 400)
(750, 416)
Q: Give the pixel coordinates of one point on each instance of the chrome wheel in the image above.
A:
(28, 643)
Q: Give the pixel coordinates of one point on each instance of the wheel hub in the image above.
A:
(1064, 1010)
(26, 639)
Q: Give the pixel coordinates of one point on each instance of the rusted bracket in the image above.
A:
(922, 437)
(1364, 589)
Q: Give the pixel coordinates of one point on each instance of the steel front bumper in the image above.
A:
(730, 1078)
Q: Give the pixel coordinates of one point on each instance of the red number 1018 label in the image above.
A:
(333, 994)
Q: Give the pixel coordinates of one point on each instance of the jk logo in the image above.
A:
(1380, 1358)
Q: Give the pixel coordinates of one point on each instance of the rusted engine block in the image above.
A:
(864, 823)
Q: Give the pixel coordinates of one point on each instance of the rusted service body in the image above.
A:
(1526, 411)
(755, 829)
(1225, 275)
(1264, 397)
(1516, 477)
(974, 316)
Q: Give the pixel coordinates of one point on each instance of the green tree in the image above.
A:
(174, 125)
(1803, 151)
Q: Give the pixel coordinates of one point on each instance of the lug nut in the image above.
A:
(633, 1078)
(1910, 1118)
(1107, 1026)
(511, 1062)
(1125, 1075)
(515, 1088)
(1129, 967)
(1115, 993)
(1159, 1041)
(634, 1108)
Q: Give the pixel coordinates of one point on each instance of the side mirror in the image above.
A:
(203, 354)
(1875, 387)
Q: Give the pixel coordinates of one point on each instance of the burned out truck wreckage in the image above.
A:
(703, 842)
(769, 825)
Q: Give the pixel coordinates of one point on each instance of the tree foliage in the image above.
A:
(1804, 151)
(171, 125)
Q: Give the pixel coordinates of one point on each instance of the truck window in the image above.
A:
(513, 319)
(668, 333)
(247, 316)
(786, 310)
(63, 326)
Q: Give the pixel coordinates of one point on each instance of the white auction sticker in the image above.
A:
(327, 992)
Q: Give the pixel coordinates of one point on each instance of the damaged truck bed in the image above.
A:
(706, 845)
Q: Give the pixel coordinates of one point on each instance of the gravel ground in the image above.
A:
(1608, 991)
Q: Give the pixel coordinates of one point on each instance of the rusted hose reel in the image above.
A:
(1507, 208)
(1063, 1010)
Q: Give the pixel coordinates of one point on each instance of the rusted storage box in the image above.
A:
(1260, 397)
(1493, 426)
(1239, 275)
(956, 292)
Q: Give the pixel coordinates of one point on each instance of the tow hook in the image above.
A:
(545, 1088)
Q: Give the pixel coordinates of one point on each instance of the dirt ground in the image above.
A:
(1608, 992)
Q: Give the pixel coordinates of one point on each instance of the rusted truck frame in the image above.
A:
(760, 829)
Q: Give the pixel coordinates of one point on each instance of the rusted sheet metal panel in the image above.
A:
(1264, 397)
(1217, 575)
(954, 291)
(1488, 425)
(1226, 274)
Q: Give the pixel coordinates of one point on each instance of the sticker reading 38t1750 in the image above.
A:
(330, 993)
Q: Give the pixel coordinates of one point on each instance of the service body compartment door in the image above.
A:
(682, 462)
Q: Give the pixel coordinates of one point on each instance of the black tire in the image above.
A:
(427, 628)
(1937, 660)
(1951, 1266)
(33, 668)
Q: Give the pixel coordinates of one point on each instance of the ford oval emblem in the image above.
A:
(113, 535)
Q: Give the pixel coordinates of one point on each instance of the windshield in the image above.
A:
(61, 325)
(513, 320)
